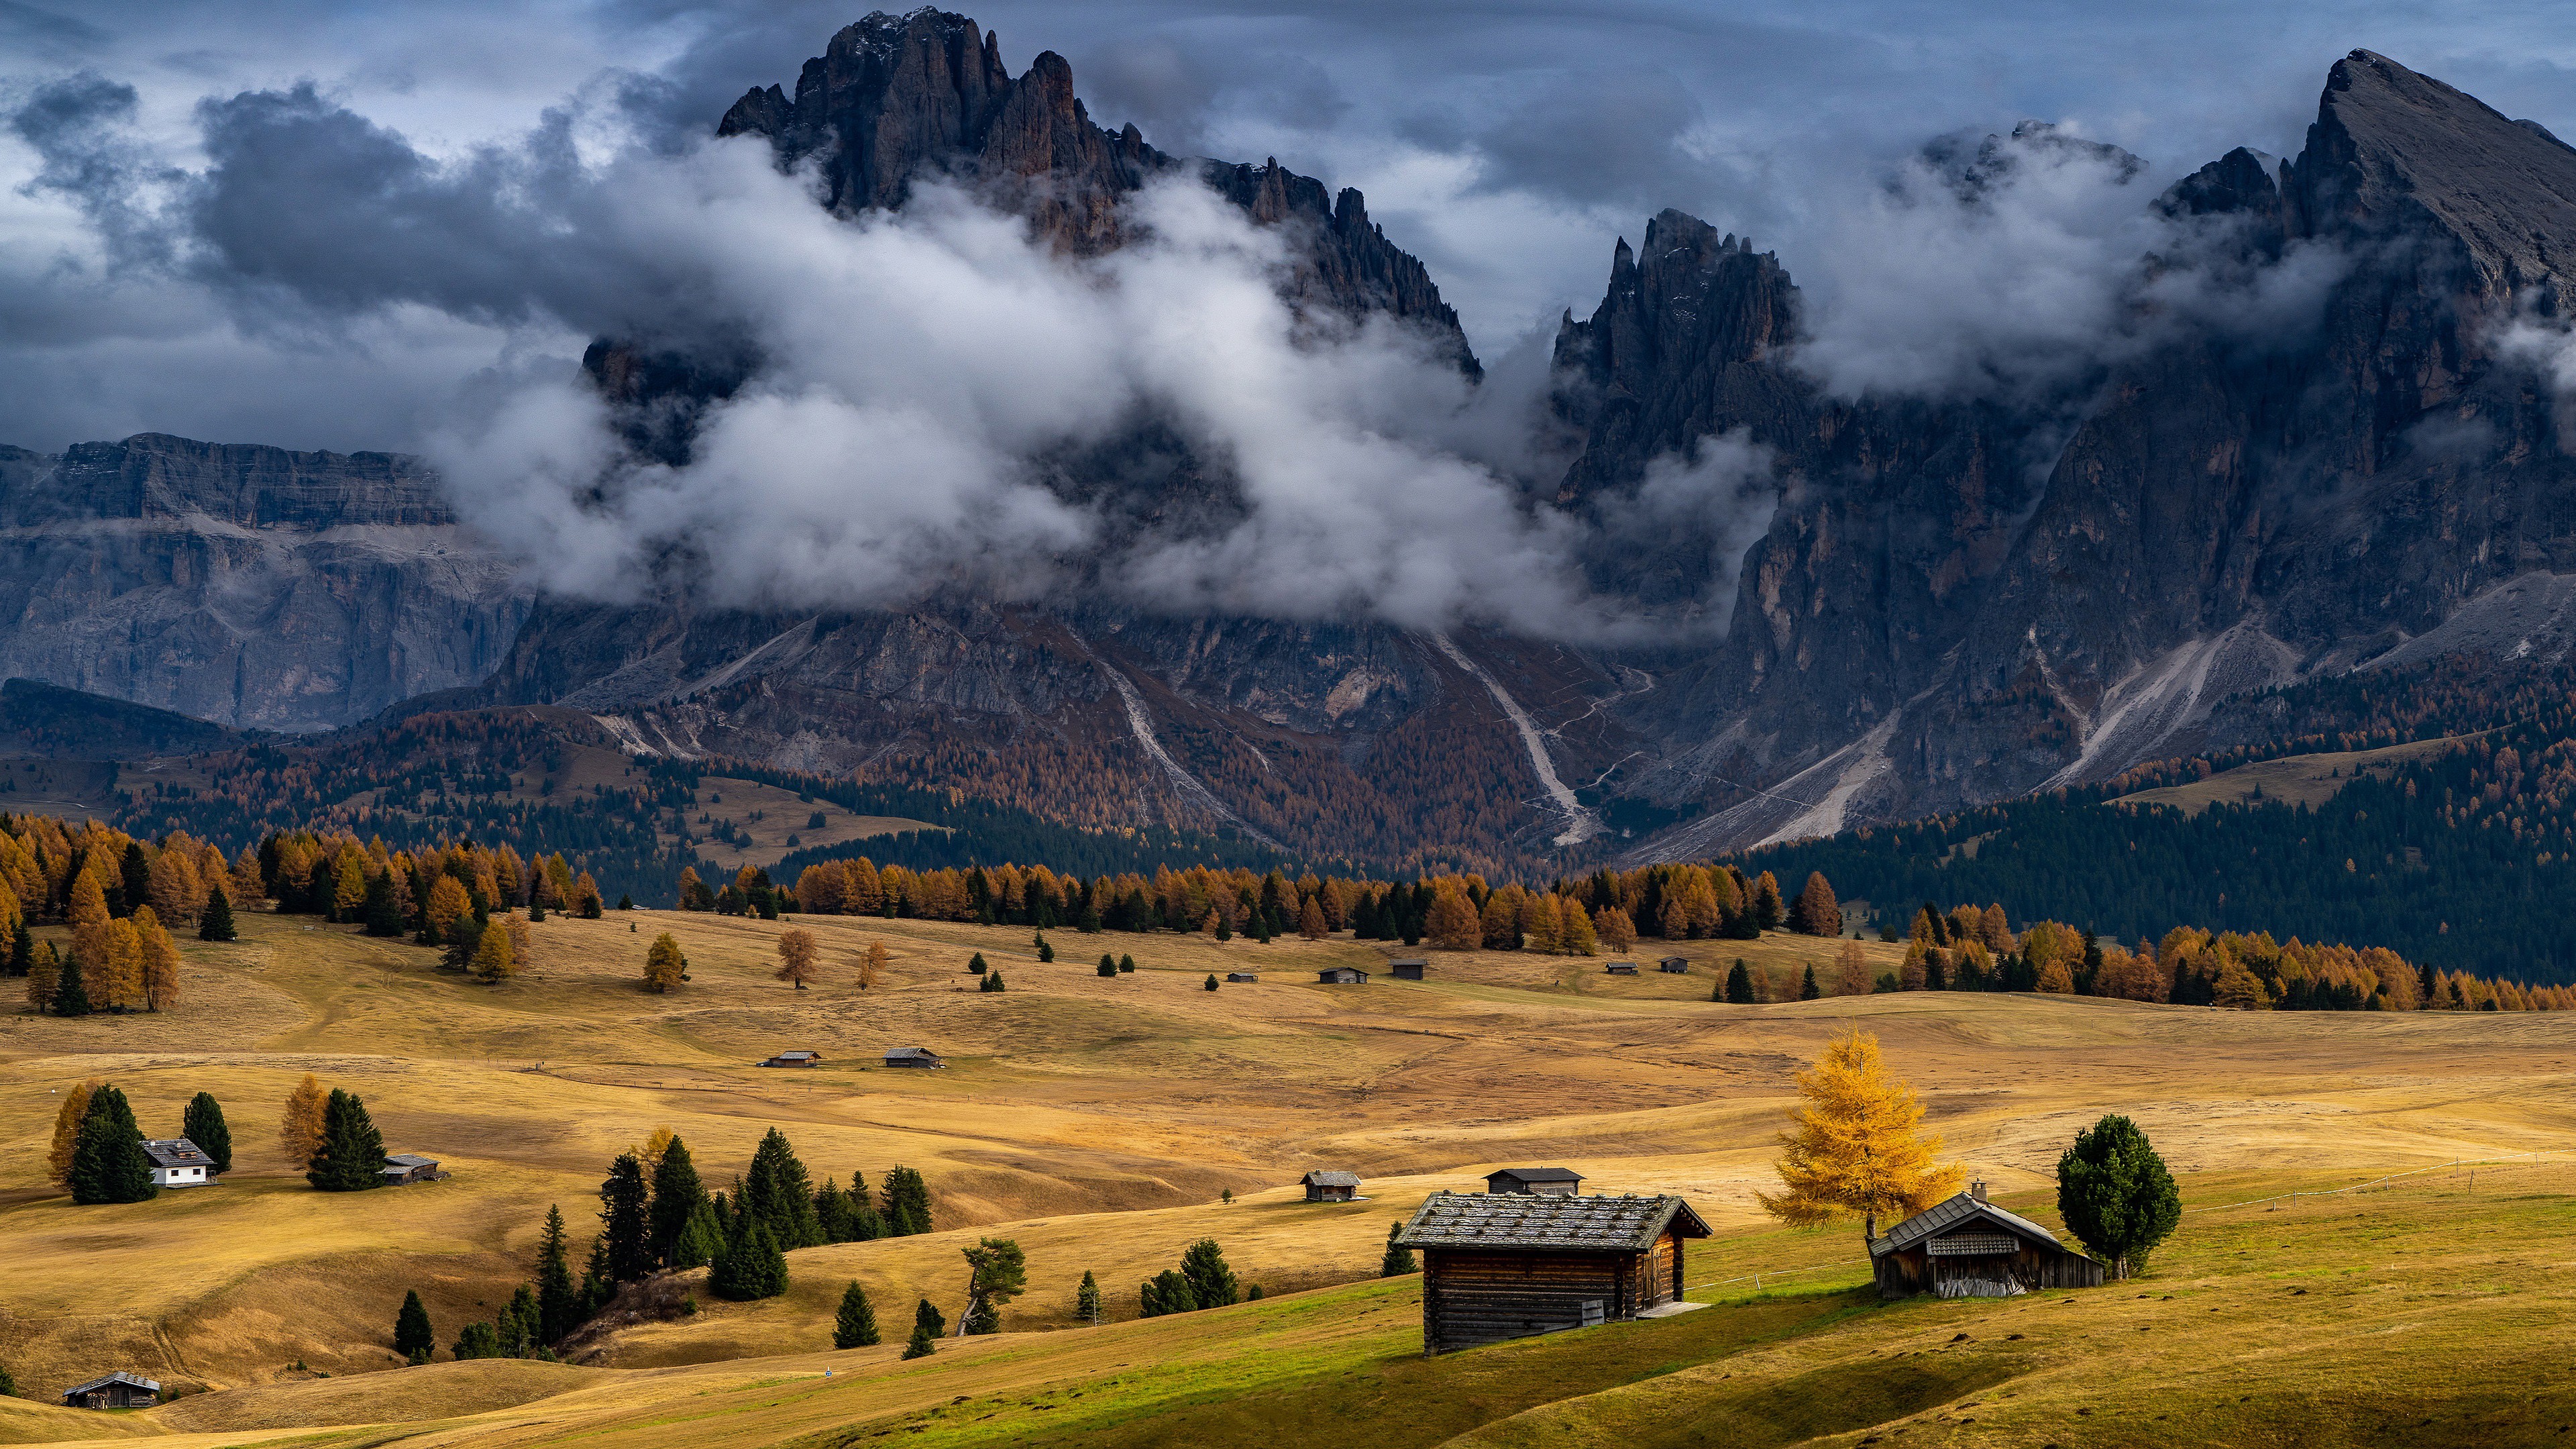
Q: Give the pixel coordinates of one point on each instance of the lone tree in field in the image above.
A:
(856, 1324)
(352, 1155)
(872, 967)
(1856, 1149)
(1807, 988)
(215, 923)
(996, 1274)
(797, 957)
(922, 1344)
(1086, 1299)
(1739, 985)
(108, 1162)
(2115, 1194)
(203, 1124)
(1399, 1258)
(664, 966)
(412, 1336)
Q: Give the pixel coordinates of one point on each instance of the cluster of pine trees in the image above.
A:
(1201, 1281)
(97, 1151)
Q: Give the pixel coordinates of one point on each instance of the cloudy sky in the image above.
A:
(1505, 141)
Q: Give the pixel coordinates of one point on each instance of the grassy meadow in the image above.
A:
(1098, 1121)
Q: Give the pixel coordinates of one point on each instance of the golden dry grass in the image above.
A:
(1094, 1120)
(2309, 780)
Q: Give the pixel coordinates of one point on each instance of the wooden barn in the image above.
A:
(795, 1059)
(912, 1057)
(1673, 965)
(1966, 1247)
(1545, 1181)
(1621, 968)
(1331, 1186)
(403, 1167)
(1508, 1265)
(178, 1162)
(1342, 976)
(1409, 968)
(1241, 976)
(119, 1390)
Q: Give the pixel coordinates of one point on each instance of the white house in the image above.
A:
(178, 1162)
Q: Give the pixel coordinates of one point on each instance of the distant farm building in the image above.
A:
(1966, 1247)
(403, 1167)
(1508, 1265)
(1342, 976)
(1241, 976)
(1545, 1181)
(795, 1059)
(912, 1057)
(1409, 969)
(119, 1390)
(1621, 968)
(1673, 965)
(1331, 1186)
(178, 1162)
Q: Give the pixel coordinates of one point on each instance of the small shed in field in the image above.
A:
(119, 1390)
(795, 1059)
(1342, 976)
(178, 1162)
(1673, 965)
(1331, 1186)
(912, 1057)
(1621, 968)
(1545, 1181)
(1241, 976)
(1508, 1265)
(404, 1167)
(1409, 968)
(1966, 1247)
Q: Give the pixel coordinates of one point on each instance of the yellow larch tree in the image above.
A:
(160, 960)
(58, 1161)
(797, 956)
(664, 966)
(1856, 1148)
(300, 1130)
(873, 965)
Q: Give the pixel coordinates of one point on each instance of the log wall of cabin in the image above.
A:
(1473, 1296)
(1909, 1271)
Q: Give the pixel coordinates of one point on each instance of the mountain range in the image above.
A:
(1953, 601)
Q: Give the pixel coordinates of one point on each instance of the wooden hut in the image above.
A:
(1621, 968)
(119, 1390)
(1508, 1265)
(1242, 976)
(795, 1059)
(1966, 1247)
(1331, 1186)
(1342, 976)
(407, 1167)
(178, 1162)
(922, 1057)
(1673, 965)
(1545, 1181)
(1409, 968)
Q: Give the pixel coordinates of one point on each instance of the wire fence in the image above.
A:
(2273, 1202)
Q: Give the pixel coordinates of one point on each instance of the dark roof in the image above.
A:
(118, 1377)
(1410, 961)
(782, 1056)
(1241, 976)
(1331, 1179)
(1538, 1174)
(1330, 972)
(176, 1152)
(895, 1054)
(1960, 1211)
(394, 1160)
(1548, 1224)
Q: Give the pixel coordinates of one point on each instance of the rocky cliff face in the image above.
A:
(1921, 627)
(250, 586)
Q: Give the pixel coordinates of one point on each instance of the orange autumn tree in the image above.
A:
(1856, 1148)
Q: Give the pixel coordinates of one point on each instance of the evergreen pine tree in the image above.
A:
(559, 1305)
(922, 1344)
(108, 1161)
(71, 993)
(1165, 1292)
(1086, 1299)
(992, 982)
(1739, 984)
(927, 1319)
(2116, 1195)
(977, 965)
(781, 1193)
(522, 1327)
(1126, 964)
(701, 1240)
(677, 1197)
(203, 1124)
(1807, 988)
(1046, 951)
(906, 1208)
(352, 1155)
(997, 1272)
(8, 1385)
(1211, 1282)
(856, 1324)
(1108, 967)
(22, 949)
(383, 914)
(1399, 1258)
(625, 1219)
(1211, 981)
(477, 1340)
(412, 1336)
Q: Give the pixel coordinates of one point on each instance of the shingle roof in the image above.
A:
(1959, 1211)
(1331, 1179)
(176, 1152)
(395, 1160)
(1548, 1224)
(783, 1055)
(118, 1377)
(898, 1054)
(1539, 1174)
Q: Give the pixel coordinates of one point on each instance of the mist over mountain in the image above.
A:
(931, 432)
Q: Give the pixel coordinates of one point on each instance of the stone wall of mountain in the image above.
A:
(250, 586)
